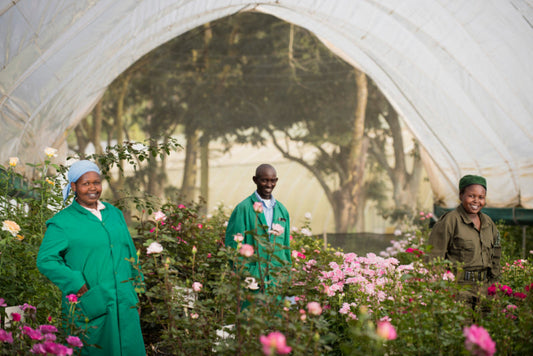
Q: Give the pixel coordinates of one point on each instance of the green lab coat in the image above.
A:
(80, 249)
(243, 218)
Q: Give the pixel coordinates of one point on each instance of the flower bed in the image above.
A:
(198, 298)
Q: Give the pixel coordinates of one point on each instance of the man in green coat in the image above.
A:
(266, 218)
(84, 253)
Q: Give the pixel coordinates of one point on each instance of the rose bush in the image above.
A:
(197, 297)
(23, 334)
(25, 205)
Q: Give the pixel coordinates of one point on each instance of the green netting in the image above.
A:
(16, 186)
(510, 216)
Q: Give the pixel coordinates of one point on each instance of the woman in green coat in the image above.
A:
(84, 252)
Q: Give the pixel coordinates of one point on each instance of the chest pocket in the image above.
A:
(487, 245)
(463, 248)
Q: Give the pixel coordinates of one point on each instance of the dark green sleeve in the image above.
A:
(439, 238)
(51, 263)
(287, 240)
(236, 224)
(132, 249)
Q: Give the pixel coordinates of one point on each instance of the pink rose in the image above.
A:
(519, 295)
(33, 334)
(38, 349)
(448, 276)
(50, 337)
(478, 341)
(506, 289)
(159, 216)
(46, 329)
(276, 230)
(238, 237)
(15, 316)
(275, 342)
(246, 250)
(386, 330)
(6, 336)
(72, 298)
(197, 286)
(28, 308)
(314, 308)
(57, 349)
(74, 341)
(258, 207)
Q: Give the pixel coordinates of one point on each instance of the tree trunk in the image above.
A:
(405, 184)
(97, 127)
(156, 174)
(118, 184)
(344, 201)
(204, 177)
(190, 170)
(81, 138)
(347, 214)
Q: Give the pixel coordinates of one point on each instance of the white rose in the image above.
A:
(155, 247)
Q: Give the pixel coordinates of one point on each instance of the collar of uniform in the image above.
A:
(99, 206)
(466, 218)
(262, 201)
(79, 207)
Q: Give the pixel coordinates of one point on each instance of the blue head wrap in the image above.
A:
(76, 171)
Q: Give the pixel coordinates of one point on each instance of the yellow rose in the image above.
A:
(10, 226)
(50, 152)
(13, 161)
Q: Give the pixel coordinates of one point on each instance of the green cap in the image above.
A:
(472, 179)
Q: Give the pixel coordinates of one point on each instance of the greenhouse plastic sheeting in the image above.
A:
(460, 73)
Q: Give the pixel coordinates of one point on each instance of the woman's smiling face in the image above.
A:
(88, 189)
(473, 198)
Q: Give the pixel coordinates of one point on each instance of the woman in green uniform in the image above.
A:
(469, 237)
(84, 252)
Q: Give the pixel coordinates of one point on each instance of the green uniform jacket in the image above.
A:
(455, 238)
(80, 249)
(243, 218)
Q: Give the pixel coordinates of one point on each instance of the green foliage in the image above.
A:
(512, 238)
(512, 305)
(193, 252)
(28, 206)
(197, 296)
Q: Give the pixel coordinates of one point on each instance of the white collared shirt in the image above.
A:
(268, 208)
(96, 212)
